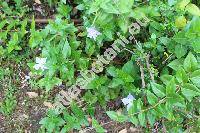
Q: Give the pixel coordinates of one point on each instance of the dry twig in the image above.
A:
(142, 74)
(149, 67)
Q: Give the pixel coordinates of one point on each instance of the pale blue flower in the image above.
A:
(92, 33)
(128, 101)
(40, 64)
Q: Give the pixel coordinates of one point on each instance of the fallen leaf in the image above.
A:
(32, 94)
(37, 1)
(133, 130)
(48, 104)
(123, 131)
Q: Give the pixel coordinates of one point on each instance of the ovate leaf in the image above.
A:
(181, 76)
(141, 118)
(152, 99)
(166, 78)
(109, 8)
(193, 9)
(189, 93)
(180, 22)
(182, 4)
(175, 64)
(190, 63)
(97, 126)
(171, 87)
(180, 51)
(151, 118)
(66, 51)
(116, 116)
(159, 90)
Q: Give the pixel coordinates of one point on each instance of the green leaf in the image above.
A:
(64, 10)
(175, 99)
(123, 24)
(124, 7)
(112, 71)
(66, 50)
(195, 78)
(23, 28)
(90, 98)
(124, 76)
(159, 111)
(166, 78)
(168, 112)
(175, 64)
(196, 81)
(191, 87)
(94, 7)
(171, 87)
(97, 126)
(180, 22)
(159, 90)
(152, 99)
(190, 91)
(181, 76)
(190, 63)
(139, 105)
(180, 51)
(109, 8)
(141, 118)
(151, 118)
(64, 1)
(13, 43)
(117, 117)
(134, 120)
(3, 23)
(116, 82)
(80, 7)
(130, 68)
(182, 4)
(196, 45)
(78, 112)
(171, 2)
(49, 83)
(33, 25)
(90, 47)
(193, 9)
(133, 109)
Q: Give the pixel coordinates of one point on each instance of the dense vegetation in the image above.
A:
(154, 76)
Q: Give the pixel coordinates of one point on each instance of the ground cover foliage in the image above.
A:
(154, 81)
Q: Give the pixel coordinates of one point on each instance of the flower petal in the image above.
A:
(36, 66)
(126, 101)
(129, 106)
(130, 97)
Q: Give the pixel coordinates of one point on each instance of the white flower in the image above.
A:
(92, 32)
(128, 101)
(27, 77)
(40, 64)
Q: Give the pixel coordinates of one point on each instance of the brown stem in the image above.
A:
(142, 74)
(149, 67)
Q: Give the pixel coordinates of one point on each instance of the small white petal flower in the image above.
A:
(36, 66)
(92, 33)
(128, 101)
(41, 60)
(40, 64)
(27, 77)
